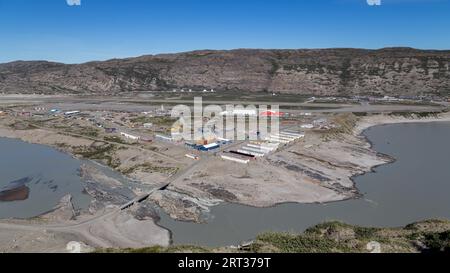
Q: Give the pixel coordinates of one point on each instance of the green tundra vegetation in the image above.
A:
(333, 237)
(102, 153)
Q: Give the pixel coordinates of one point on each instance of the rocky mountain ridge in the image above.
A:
(320, 72)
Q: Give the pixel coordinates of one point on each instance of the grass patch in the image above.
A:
(22, 126)
(115, 139)
(412, 115)
(149, 168)
(103, 153)
(360, 114)
(438, 242)
(344, 124)
(89, 132)
(302, 243)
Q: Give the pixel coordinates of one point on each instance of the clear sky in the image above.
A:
(104, 29)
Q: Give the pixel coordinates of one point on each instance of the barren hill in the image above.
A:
(389, 71)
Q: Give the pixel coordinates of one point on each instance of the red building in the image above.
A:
(271, 114)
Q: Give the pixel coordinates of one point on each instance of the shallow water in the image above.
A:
(48, 173)
(415, 187)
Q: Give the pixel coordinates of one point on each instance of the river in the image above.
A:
(34, 178)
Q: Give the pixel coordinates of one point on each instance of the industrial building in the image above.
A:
(163, 138)
(276, 139)
(110, 130)
(208, 147)
(191, 145)
(259, 149)
(224, 141)
(285, 137)
(288, 133)
(253, 149)
(203, 148)
(128, 136)
(240, 112)
(265, 146)
(255, 154)
(272, 114)
(71, 113)
(307, 126)
(243, 154)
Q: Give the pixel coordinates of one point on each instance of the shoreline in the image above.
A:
(359, 133)
(362, 125)
(359, 130)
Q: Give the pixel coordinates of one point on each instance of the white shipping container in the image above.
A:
(292, 137)
(271, 139)
(250, 153)
(282, 138)
(293, 134)
(263, 148)
(256, 150)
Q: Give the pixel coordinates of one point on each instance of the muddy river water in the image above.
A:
(34, 178)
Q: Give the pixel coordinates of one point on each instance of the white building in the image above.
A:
(240, 112)
(256, 154)
(163, 138)
(71, 113)
(276, 140)
(128, 136)
(253, 149)
(262, 148)
(297, 135)
(307, 126)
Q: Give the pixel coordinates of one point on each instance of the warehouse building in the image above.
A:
(255, 154)
(164, 138)
(208, 147)
(128, 136)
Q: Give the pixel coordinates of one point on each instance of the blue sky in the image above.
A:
(104, 29)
